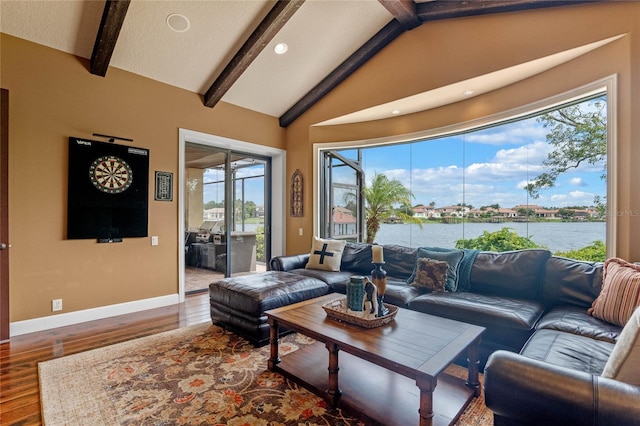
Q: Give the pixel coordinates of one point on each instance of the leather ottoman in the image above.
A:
(239, 303)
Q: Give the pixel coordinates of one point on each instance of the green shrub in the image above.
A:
(503, 240)
(260, 244)
(595, 252)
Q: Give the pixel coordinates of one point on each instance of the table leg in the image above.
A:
(473, 363)
(274, 358)
(334, 391)
(427, 386)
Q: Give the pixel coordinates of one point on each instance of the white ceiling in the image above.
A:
(320, 36)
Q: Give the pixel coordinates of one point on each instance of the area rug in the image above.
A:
(199, 375)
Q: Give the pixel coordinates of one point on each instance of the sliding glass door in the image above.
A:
(226, 214)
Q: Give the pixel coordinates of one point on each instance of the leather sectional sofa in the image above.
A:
(503, 292)
(548, 352)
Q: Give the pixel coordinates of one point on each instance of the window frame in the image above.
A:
(607, 85)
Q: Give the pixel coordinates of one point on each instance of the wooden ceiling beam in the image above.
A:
(375, 44)
(108, 32)
(435, 10)
(277, 17)
(401, 10)
(404, 11)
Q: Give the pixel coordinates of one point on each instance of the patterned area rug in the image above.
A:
(199, 375)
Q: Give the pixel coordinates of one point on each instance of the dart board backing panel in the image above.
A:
(108, 190)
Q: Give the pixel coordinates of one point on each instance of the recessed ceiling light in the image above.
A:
(281, 48)
(178, 23)
(395, 112)
(468, 92)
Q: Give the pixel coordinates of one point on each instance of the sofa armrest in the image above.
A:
(287, 263)
(528, 391)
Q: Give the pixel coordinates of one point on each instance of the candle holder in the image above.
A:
(379, 278)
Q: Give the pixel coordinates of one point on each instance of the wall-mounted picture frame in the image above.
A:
(164, 186)
(296, 194)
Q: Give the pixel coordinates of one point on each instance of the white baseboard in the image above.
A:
(45, 323)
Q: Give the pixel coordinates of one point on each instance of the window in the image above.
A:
(542, 175)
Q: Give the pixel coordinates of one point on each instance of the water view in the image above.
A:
(556, 236)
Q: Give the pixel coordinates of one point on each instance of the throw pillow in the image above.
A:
(453, 258)
(431, 275)
(464, 272)
(620, 293)
(624, 362)
(326, 254)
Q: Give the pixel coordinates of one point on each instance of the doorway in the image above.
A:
(227, 210)
(4, 214)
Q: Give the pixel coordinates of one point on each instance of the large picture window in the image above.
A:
(538, 180)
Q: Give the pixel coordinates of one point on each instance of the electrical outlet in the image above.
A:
(56, 305)
(154, 240)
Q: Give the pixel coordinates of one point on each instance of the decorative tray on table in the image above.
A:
(337, 310)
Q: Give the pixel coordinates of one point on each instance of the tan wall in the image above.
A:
(446, 52)
(53, 96)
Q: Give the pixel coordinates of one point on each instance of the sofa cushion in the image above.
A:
(572, 319)
(481, 309)
(326, 254)
(624, 362)
(331, 278)
(571, 282)
(568, 350)
(399, 293)
(453, 258)
(515, 273)
(399, 260)
(430, 274)
(356, 257)
(620, 294)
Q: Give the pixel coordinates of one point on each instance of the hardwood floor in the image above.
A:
(19, 358)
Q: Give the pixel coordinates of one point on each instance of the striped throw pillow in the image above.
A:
(620, 293)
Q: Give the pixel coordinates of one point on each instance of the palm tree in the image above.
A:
(380, 197)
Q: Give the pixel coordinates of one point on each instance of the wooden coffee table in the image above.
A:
(386, 373)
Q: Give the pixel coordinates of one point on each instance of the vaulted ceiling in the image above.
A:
(224, 50)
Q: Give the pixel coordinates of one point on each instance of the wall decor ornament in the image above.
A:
(164, 186)
(296, 194)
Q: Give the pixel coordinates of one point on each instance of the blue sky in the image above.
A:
(495, 163)
(479, 168)
(254, 188)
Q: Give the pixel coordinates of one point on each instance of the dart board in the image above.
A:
(110, 174)
(108, 190)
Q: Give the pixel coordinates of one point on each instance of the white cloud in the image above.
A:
(580, 195)
(577, 181)
(512, 134)
(572, 198)
(399, 174)
(523, 184)
(515, 163)
(533, 153)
